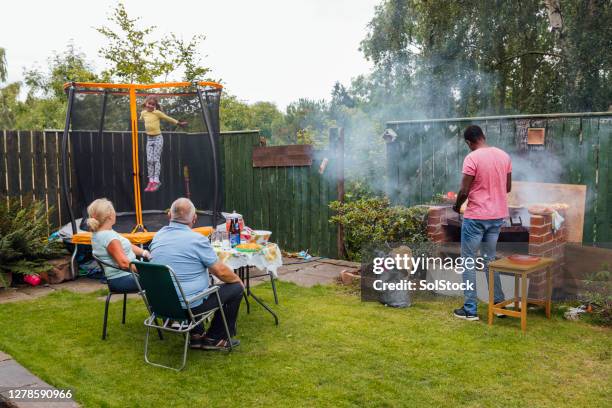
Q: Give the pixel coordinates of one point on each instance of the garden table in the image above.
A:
(268, 259)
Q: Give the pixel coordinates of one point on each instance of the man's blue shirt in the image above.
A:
(188, 253)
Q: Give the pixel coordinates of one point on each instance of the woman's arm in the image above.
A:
(143, 253)
(115, 250)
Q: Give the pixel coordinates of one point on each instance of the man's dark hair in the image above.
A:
(473, 133)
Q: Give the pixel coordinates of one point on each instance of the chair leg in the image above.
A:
(227, 332)
(108, 297)
(146, 353)
(184, 352)
(124, 303)
(159, 332)
(273, 282)
(246, 301)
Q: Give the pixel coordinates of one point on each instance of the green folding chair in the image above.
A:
(158, 285)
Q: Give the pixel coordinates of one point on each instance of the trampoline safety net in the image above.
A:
(103, 161)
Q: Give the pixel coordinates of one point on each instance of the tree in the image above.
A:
(134, 56)
(234, 114)
(62, 67)
(490, 57)
(45, 102)
(266, 117)
(3, 67)
(306, 122)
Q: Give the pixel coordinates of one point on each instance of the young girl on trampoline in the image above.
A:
(152, 115)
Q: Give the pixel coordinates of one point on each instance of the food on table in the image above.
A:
(249, 247)
(271, 252)
(540, 209)
(546, 208)
(449, 197)
(560, 206)
(260, 236)
(223, 255)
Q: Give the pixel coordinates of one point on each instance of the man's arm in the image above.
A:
(466, 183)
(224, 273)
(509, 182)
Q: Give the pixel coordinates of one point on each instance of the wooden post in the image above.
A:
(491, 295)
(336, 143)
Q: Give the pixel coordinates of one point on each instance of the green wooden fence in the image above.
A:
(427, 155)
(290, 201)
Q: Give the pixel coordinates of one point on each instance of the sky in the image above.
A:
(264, 50)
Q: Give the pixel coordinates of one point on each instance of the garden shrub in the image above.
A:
(372, 220)
(24, 244)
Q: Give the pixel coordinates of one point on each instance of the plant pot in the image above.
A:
(60, 271)
(348, 278)
(7, 279)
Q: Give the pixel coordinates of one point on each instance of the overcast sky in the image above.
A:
(272, 50)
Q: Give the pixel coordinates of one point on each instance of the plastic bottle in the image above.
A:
(234, 233)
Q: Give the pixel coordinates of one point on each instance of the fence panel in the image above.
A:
(291, 201)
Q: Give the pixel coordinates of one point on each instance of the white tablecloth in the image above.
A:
(268, 259)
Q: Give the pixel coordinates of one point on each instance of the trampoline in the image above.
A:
(103, 155)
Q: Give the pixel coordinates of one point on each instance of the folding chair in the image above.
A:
(159, 285)
(104, 265)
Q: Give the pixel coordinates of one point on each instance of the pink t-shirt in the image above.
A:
(487, 197)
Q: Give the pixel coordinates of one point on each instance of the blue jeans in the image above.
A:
(479, 235)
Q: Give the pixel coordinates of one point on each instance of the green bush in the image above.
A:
(24, 247)
(373, 220)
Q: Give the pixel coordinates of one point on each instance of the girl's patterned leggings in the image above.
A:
(155, 145)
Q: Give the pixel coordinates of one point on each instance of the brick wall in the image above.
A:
(436, 218)
(543, 241)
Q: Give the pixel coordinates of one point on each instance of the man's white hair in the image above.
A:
(182, 210)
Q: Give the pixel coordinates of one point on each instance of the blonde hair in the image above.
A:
(151, 98)
(99, 211)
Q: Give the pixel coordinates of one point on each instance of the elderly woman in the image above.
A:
(112, 248)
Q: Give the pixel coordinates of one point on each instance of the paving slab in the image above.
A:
(13, 376)
(81, 285)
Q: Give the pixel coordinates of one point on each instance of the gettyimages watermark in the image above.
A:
(412, 264)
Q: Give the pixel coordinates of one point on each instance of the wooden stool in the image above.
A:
(520, 272)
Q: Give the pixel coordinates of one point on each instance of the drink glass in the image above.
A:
(225, 243)
(216, 239)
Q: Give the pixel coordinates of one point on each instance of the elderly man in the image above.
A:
(191, 257)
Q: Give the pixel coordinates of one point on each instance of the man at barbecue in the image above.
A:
(487, 179)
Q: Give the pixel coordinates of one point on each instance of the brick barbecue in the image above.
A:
(536, 234)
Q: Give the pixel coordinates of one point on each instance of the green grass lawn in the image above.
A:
(329, 350)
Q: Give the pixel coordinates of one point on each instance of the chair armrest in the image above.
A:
(202, 294)
(103, 264)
